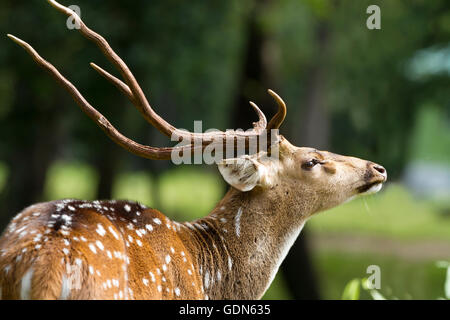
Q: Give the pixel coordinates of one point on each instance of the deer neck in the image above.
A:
(240, 245)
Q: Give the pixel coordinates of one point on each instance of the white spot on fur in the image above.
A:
(230, 263)
(207, 279)
(100, 230)
(238, 222)
(92, 247)
(127, 208)
(113, 232)
(149, 227)
(157, 221)
(168, 259)
(99, 245)
(177, 292)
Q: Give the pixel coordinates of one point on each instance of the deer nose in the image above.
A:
(380, 169)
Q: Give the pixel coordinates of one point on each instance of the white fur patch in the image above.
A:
(65, 288)
(25, 290)
(238, 222)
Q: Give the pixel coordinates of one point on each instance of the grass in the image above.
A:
(392, 213)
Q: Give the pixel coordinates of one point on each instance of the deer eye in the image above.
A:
(310, 164)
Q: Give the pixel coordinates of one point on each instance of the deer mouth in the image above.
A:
(370, 188)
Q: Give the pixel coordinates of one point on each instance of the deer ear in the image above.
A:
(243, 173)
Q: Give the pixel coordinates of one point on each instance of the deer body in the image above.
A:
(74, 249)
(71, 249)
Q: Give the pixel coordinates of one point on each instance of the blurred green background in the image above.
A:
(380, 94)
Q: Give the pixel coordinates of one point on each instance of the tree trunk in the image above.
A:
(258, 75)
(313, 131)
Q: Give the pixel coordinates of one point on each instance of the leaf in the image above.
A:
(351, 290)
(447, 284)
(376, 295)
(442, 264)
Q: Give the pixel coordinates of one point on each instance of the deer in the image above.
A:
(118, 249)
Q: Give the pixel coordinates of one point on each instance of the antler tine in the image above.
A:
(139, 97)
(278, 118)
(97, 117)
(262, 123)
(117, 82)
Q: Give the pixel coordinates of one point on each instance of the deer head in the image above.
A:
(234, 252)
(306, 177)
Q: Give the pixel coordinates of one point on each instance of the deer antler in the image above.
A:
(133, 91)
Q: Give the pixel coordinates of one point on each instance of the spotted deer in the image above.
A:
(74, 249)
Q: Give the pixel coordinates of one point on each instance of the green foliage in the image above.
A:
(400, 278)
(3, 175)
(446, 266)
(135, 186)
(277, 290)
(189, 193)
(351, 290)
(70, 180)
(431, 140)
